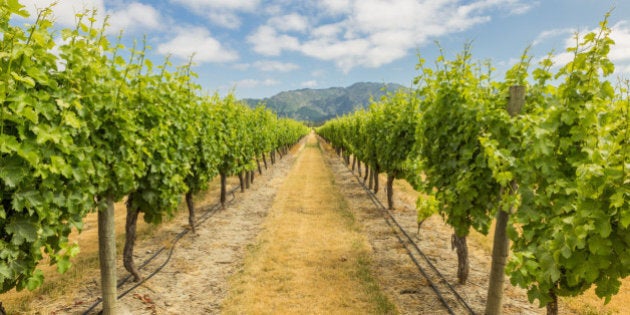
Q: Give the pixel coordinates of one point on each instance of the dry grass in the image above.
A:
(311, 256)
(589, 303)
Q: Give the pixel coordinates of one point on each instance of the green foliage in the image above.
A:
(394, 133)
(206, 152)
(245, 134)
(263, 123)
(426, 206)
(575, 200)
(381, 136)
(456, 106)
(44, 169)
(162, 103)
(234, 137)
(100, 86)
(288, 132)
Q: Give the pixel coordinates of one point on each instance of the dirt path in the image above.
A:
(311, 256)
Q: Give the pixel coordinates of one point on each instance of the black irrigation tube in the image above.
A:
(382, 207)
(204, 217)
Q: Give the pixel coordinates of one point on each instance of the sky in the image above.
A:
(257, 48)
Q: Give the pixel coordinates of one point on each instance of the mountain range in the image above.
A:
(318, 105)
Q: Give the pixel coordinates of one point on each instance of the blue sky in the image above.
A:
(261, 47)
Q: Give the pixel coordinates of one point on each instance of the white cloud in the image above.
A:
(328, 30)
(269, 65)
(372, 33)
(289, 22)
(620, 52)
(198, 41)
(252, 83)
(551, 34)
(225, 19)
(334, 7)
(237, 5)
(134, 17)
(221, 12)
(377, 15)
(309, 84)
(131, 17)
(512, 7)
(561, 59)
(267, 41)
(346, 54)
(623, 70)
(272, 9)
(522, 8)
(242, 66)
(64, 11)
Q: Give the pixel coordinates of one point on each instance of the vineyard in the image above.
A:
(91, 128)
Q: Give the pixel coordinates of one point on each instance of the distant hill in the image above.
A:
(318, 105)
